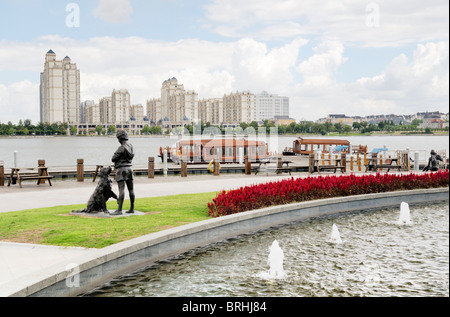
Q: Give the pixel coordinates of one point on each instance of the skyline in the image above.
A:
(356, 57)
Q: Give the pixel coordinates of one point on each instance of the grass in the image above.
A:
(55, 225)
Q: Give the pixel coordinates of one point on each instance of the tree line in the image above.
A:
(303, 127)
(27, 128)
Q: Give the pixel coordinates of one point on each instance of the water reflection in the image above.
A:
(377, 257)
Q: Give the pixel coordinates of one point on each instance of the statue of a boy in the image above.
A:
(122, 159)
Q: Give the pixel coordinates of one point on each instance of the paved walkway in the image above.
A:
(18, 260)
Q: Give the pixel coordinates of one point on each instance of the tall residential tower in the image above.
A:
(59, 91)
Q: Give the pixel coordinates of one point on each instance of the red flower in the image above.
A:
(309, 188)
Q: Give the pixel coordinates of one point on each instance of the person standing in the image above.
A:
(122, 160)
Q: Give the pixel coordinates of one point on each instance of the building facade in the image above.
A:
(211, 110)
(93, 114)
(106, 110)
(59, 91)
(269, 106)
(121, 104)
(238, 107)
(179, 106)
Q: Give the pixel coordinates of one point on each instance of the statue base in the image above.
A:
(105, 215)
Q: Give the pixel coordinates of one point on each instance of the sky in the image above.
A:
(352, 57)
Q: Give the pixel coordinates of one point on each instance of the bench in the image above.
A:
(284, 170)
(40, 174)
(333, 165)
(329, 168)
(373, 165)
(279, 169)
(388, 166)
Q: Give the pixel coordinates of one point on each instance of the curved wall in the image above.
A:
(86, 272)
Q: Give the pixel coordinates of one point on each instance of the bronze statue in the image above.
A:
(122, 159)
(433, 164)
(103, 192)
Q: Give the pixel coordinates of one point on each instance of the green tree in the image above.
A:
(112, 129)
(99, 129)
(156, 130)
(73, 130)
(146, 130)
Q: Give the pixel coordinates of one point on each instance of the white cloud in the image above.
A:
(423, 81)
(319, 68)
(214, 69)
(19, 101)
(114, 11)
(403, 87)
(398, 22)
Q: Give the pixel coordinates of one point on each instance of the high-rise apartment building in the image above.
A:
(238, 107)
(59, 91)
(137, 113)
(106, 110)
(269, 107)
(211, 110)
(83, 107)
(120, 106)
(93, 114)
(178, 105)
(154, 110)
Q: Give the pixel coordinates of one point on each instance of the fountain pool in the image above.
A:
(377, 257)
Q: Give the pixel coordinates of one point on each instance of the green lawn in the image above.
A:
(55, 226)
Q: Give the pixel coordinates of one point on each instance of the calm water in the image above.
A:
(377, 257)
(64, 151)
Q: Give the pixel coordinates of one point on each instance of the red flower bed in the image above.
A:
(311, 188)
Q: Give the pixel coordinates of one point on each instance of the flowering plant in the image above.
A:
(311, 188)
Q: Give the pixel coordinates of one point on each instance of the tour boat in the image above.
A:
(303, 146)
(224, 150)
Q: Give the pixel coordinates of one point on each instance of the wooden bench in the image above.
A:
(30, 174)
(284, 170)
(373, 165)
(279, 169)
(333, 165)
(334, 168)
(388, 166)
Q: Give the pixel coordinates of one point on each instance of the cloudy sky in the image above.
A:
(353, 57)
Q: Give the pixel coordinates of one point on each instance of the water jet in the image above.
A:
(335, 236)
(405, 215)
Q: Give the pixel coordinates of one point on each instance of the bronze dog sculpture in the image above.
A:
(103, 192)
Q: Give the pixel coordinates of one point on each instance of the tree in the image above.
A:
(99, 129)
(73, 130)
(156, 130)
(356, 126)
(145, 130)
(347, 129)
(112, 129)
(338, 126)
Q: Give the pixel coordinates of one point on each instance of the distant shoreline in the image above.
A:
(281, 135)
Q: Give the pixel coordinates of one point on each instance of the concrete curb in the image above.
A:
(81, 274)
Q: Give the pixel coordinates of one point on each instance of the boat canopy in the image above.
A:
(378, 150)
(340, 148)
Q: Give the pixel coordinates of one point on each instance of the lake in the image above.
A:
(64, 151)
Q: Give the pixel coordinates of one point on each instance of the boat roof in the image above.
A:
(321, 141)
(221, 142)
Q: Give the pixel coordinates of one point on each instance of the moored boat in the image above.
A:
(224, 150)
(303, 146)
